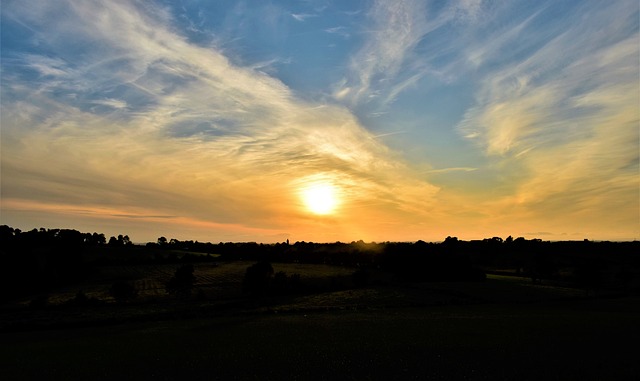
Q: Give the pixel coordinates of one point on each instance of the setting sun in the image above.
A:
(320, 198)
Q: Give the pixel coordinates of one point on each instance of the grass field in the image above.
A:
(221, 280)
(504, 328)
(569, 340)
(224, 281)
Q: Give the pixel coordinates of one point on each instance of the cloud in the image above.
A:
(399, 50)
(396, 29)
(469, 10)
(567, 114)
(47, 66)
(302, 16)
(454, 169)
(185, 133)
(113, 103)
(339, 30)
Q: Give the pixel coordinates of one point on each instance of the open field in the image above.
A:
(221, 280)
(569, 340)
(504, 328)
(218, 291)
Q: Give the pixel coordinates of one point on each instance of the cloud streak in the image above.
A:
(184, 132)
(567, 113)
(397, 29)
(390, 60)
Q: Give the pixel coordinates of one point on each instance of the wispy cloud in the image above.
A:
(113, 103)
(397, 27)
(567, 114)
(302, 16)
(392, 58)
(453, 169)
(194, 136)
(47, 66)
(339, 30)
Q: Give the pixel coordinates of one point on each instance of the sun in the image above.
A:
(320, 198)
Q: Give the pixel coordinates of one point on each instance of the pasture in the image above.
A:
(503, 328)
(215, 281)
(571, 340)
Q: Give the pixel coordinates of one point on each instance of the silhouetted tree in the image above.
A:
(123, 291)
(360, 277)
(284, 284)
(541, 267)
(257, 278)
(281, 282)
(451, 241)
(82, 300)
(589, 274)
(40, 301)
(98, 239)
(182, 281)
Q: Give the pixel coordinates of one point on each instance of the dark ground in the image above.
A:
(582, 339)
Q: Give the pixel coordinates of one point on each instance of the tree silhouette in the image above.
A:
(257, 278)
(589, 274)
(182, 281)
(123, 291)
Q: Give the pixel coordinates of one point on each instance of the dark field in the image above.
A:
(567, 341)
(503, 328)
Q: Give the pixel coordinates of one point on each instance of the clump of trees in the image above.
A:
(257, 278)
(120, 241)
(260, 279)
(287, 284)
(35, 261)
(123, 291)
(424, 262)
(82, 300)
(181, 284)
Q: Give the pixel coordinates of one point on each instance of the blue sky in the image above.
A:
(206, 120)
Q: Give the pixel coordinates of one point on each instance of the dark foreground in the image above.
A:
(589, 339)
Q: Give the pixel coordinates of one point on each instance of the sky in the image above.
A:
(322, 120)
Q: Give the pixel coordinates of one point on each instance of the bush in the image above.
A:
(257, 278)
(82, 300)
(285, 284)
(360, 278)
(39, 301)
(123, 291)
(182, 281)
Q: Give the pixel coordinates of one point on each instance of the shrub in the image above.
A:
(39, 301)
(257, 278)
(123, 291)
(182, 281)
(360, 278)
(82, 300)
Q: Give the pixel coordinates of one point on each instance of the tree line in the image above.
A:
(44, 258)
